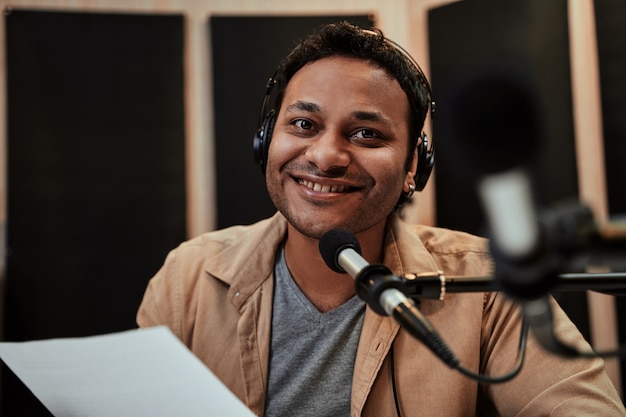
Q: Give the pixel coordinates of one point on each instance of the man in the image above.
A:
(340, 146)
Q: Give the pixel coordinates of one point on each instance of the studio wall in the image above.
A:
(96, 172)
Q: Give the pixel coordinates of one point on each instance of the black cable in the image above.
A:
(539, 315)
(485, 379)
(414, 322)
(521, 355)
(393, 379)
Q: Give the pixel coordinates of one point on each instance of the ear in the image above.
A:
(410, 175)
(413, 166)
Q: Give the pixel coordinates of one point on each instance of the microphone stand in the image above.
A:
(568, 241)
(435, 285)
(573, 243)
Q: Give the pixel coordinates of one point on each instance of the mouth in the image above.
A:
(325, 188)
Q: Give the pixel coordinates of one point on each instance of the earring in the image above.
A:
(411, 191)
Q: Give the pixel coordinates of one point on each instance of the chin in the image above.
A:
(315, 231)
(313, 228)
(317, 227)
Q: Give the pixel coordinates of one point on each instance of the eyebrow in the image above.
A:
(304, 106)
(372, 117)
(369, 116)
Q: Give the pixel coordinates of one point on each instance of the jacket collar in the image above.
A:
(248, 258)
(404, 252)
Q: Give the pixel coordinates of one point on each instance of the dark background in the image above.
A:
(611, 28)
(96, 172)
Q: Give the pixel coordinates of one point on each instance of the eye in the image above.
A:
(366, 134)
(303, 124)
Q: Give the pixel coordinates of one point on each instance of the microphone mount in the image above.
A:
(372, 281)
(435, 285)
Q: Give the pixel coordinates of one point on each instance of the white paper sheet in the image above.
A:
(137, 373)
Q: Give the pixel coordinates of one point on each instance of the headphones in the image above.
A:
(267, 118)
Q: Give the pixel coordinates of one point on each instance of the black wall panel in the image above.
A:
(525, 36)
(96, 176)
(246, 51)
(611, 32)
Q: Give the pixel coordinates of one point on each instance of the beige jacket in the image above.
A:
(215, 293)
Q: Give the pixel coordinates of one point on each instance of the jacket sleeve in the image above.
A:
(548, 384)
(161, 304)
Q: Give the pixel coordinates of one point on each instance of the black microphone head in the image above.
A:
(333, 243)
(492, 119)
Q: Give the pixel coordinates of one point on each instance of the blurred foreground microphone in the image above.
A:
(493, 121)
(382, 290)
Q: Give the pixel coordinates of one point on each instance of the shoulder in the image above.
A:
(455, 252)
(205, 267)
(243, 256)
(448, 241)
(212, 243)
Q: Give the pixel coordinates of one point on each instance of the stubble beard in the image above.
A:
(311, 227)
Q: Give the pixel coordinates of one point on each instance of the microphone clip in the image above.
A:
(372, 281)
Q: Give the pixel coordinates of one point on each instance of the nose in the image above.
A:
(329, 151)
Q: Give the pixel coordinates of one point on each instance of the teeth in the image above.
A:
(323, 188)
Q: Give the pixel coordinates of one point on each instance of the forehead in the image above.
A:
(347, 81)
(342, 66)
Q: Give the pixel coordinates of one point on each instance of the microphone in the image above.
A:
(525, 249)
(492, 118)
(383, 291)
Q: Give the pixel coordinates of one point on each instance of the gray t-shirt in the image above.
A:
(312, 353)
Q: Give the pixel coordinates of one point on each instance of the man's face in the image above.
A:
(339, 147)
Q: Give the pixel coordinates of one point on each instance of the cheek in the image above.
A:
(388, 167)
(281, 151)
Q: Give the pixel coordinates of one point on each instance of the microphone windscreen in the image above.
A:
(493, 119)
(333, 243)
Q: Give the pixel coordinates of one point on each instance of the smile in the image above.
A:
(313, 186)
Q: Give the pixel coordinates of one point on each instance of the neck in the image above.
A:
(325, 288)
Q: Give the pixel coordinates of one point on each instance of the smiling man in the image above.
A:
(341, 147)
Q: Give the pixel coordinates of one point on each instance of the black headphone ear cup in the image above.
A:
(261, 142)
(426, 161)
